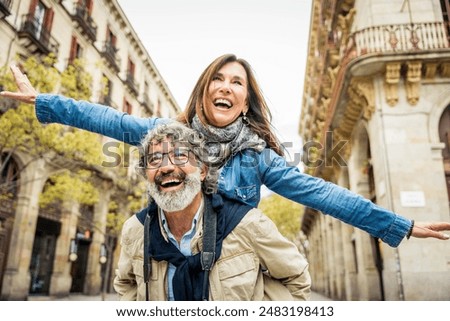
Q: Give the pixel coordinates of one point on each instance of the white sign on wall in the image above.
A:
(412, 198)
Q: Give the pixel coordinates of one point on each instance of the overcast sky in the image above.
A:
(184, 36)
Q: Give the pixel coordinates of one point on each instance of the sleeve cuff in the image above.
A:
(398, 230)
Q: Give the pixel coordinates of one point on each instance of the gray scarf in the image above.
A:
(224, 142)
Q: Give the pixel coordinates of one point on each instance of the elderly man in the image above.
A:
(199, 246)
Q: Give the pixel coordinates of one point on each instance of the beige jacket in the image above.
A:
(254, 246)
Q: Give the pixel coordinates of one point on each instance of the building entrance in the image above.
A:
(79, 267)
(42, 258)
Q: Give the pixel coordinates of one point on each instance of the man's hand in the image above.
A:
(26, 93)
(424, 230)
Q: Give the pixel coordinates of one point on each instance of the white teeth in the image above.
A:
(223, 101)
(170, 181)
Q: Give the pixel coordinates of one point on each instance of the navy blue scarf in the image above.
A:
(189, 276)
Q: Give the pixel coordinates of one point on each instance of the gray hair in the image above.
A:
(179, 132)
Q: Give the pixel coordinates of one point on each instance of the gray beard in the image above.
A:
(177, 200)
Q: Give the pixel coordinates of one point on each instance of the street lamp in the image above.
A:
(104, 269)
(73, 249)
(103, 254)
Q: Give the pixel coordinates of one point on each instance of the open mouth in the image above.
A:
(170, 183)
(223, 103)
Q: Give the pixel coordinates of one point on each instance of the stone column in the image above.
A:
(350, 263)
(16, 280)
(339, 260)
(61, 280)
(93, 281)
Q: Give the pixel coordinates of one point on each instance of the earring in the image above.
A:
(244, 118)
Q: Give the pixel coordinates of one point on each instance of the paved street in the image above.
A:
(113, 297)
(74, 297)
(319, 297)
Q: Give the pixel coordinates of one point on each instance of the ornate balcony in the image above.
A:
(5, 8)
(36, 38)
(129, 81)
(401, 38)
(85, 22)
(344, 94)
(109, 53)
(147, 103)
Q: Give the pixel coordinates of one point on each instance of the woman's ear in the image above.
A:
(246, 108)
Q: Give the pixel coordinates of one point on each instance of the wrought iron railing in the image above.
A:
(81, 15)
(131, 83)
(109, 53)
(39, 34)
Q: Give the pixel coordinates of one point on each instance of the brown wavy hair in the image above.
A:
(258, 114)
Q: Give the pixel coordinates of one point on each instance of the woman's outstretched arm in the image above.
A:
(81, 114)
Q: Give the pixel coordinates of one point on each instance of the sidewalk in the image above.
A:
(319, 297)
(113, 297)
(75, 297)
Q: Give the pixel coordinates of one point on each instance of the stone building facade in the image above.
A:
(376, 114)
(37, 246)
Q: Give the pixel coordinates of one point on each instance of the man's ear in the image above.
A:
(203, 172)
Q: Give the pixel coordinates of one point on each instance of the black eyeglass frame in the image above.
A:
(169, 155)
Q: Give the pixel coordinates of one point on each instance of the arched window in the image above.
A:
(9, 188)
(9, 176)
(444, 137)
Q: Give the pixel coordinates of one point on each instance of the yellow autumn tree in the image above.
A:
(22, 132)
(285, 213)
(131, 189)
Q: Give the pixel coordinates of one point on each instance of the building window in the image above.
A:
(131, 68)
(36, 29)
(9, 175)
(88, 5)
(445, 6)
(76, 51)
(127, 107)
(111, 39)
(43, 17)
(444, 137)
(158, 109)
(146, 88)
(109, 50)
(130, 77)
(105, 97)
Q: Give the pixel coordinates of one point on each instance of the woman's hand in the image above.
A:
(424, 230)
(26, 93)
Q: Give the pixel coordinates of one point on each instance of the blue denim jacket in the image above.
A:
(243, 175)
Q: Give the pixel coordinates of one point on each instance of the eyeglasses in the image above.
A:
(179, 156)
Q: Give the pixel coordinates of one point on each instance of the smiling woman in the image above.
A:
(277, 50)
(224, 104)
(228, 107)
